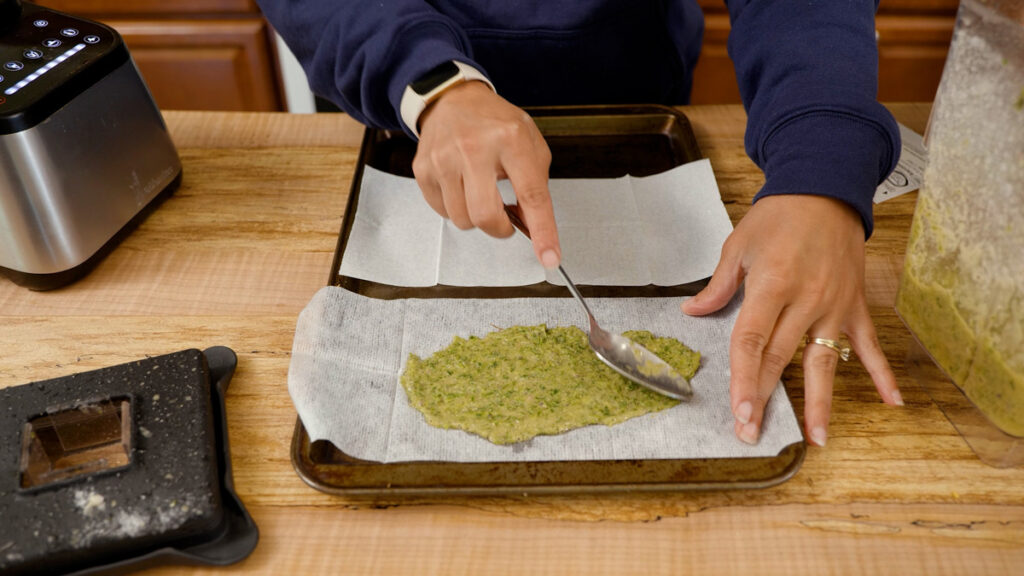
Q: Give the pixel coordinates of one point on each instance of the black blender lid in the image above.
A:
(121, 468)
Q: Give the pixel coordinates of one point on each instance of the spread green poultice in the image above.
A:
(526, 381)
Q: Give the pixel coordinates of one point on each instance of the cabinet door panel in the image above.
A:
(204, 64)
(911, 53)
(714, 78)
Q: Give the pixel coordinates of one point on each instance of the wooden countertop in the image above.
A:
(233, 256)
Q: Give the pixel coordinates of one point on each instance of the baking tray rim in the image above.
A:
(301, 463)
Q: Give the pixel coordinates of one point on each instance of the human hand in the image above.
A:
(803, 261)
(469, 139)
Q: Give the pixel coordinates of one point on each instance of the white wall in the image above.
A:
(296, 87)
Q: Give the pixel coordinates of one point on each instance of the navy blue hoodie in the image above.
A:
(807, 69)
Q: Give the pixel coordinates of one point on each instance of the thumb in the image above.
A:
(725, 280)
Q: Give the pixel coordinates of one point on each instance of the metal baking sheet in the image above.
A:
(585, 142)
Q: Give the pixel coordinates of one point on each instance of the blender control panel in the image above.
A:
(44, 50)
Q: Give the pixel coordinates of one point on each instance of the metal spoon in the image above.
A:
(620, 353)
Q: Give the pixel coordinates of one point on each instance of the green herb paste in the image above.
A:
(526, 381)
(952, 303)
(973, 362)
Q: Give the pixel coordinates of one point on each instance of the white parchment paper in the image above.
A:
(349, 352)
(665, 229)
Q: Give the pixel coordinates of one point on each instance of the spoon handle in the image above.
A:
(512, 210)
(513, 215)
(577, 295)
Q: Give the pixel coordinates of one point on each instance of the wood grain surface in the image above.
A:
(233, 256)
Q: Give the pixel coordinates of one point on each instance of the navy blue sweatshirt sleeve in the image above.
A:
(361, 54)
(808, 74)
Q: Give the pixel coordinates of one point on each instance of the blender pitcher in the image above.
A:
(962, 288)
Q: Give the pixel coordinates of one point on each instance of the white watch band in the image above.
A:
(414, 104)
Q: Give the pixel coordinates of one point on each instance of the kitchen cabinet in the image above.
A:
(913, 38)
(220, 55)
(195, 54)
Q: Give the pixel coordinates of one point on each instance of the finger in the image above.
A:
(429, 185)
(864, 341)
(789, 331)
(724, 283)
(527, 167)
(749, 337)
(483, 201)
(455, 200)
(819, 375)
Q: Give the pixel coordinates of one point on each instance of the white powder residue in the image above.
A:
(130, 521)
(89, 502)
(130, 524)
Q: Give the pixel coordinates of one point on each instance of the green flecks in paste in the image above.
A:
(526, 381)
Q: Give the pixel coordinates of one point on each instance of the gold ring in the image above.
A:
(844, 353)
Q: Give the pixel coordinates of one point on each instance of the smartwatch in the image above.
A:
(429, 87)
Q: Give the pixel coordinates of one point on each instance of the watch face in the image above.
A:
(434, 78)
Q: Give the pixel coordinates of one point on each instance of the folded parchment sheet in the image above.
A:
(350, 350)
(665, 229)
